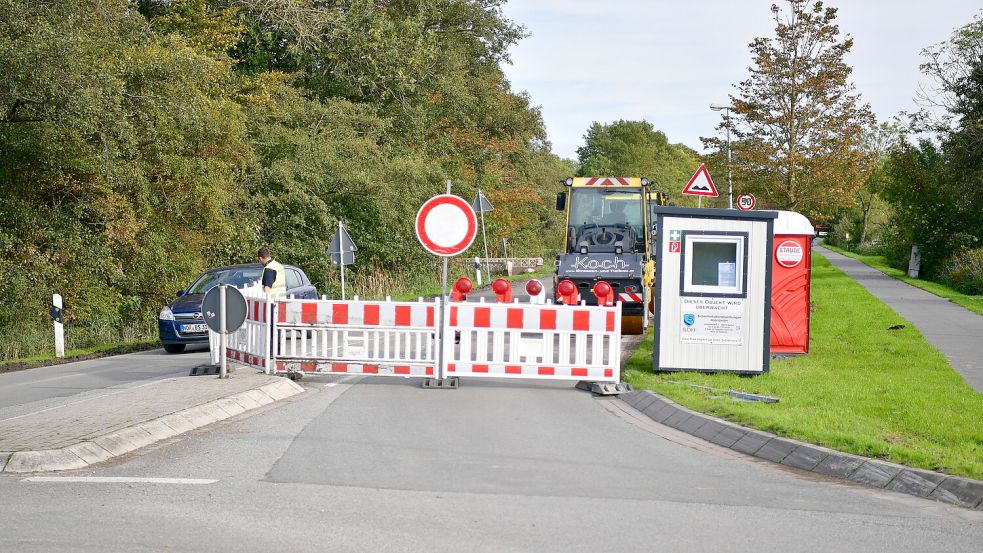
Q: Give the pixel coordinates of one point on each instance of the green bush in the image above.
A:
(964, 271)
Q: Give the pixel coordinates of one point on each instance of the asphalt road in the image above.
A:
(379, 464)
(42, 387)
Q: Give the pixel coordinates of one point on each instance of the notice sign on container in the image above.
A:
(712, 321)
(789, 253)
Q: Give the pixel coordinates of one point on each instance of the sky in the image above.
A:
(666, 61)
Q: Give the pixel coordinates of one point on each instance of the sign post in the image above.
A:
(56, 307)
(701, 185)
(224, 309)
(342, 251)
(446, 226)
(481, 205)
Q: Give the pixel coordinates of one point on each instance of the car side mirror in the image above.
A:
(561, 201)
(180, 293)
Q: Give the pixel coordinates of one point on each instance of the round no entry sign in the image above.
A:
(446, 225)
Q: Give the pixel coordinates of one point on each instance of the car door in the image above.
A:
(298, 286)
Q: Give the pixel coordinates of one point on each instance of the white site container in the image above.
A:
(713, 290)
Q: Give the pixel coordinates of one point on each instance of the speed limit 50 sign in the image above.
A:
(746, 202)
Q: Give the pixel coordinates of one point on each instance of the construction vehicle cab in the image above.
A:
(608, 238)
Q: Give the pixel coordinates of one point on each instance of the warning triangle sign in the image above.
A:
(481, 203)
(342, 247)
(701, 184)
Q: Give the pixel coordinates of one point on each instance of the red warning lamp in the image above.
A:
(604, 293)
(503, 290)
(534, 287)
(462, 287)
(568, 292)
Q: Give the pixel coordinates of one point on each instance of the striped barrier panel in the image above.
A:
(555, 342)
(250, 344)
(356, 337)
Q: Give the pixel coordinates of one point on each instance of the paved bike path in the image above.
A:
(956, 331)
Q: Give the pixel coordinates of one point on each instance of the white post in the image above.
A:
(222, 338)
(477, 271)
(914, 262)
(59, 327)
(341, 259)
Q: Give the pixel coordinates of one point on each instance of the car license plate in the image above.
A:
(194, 328)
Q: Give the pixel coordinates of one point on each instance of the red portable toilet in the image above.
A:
(790, 279)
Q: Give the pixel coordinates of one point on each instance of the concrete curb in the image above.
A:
(120, 442)
(963, 492)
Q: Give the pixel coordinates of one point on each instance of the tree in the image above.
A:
(636, 149)
(120, 154)
(878, 141)
(936, 187)
(142, 141)
(956, 67)
(798, 125)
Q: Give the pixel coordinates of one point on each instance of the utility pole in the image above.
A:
(730, 185)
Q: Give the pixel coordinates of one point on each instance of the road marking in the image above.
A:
(118, 480)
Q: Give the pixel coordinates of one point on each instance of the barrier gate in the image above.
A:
(355, 337)
(400, 338)
(513, 340)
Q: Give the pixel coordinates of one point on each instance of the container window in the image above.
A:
(714, 264)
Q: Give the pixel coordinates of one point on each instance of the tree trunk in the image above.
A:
(863, 227)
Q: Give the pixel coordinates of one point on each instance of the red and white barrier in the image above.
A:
(356, 337)
(499, 340)
(250, 344)
(534, 341)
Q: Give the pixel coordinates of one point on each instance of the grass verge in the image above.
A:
(973, 303)
(862, 389)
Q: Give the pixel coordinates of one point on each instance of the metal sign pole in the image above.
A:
(442, 373)
(484, 239)
(222, 338)
(341, 259)
(730, 186)
(441, 368)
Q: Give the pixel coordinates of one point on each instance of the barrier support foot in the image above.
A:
(440, 383)
(204, 370)
(604, 388)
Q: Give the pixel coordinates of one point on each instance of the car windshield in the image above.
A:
(592, 208)
(234, 277)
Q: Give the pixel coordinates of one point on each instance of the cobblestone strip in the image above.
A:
(142, 434)
(963, 492)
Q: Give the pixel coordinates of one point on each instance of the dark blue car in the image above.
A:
(181, 322)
